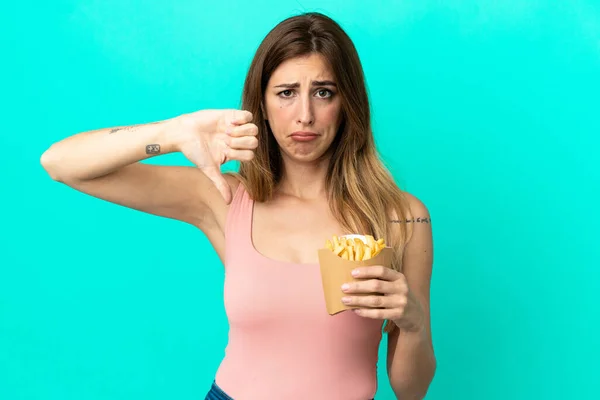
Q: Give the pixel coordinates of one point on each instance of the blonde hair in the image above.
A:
(363, 195)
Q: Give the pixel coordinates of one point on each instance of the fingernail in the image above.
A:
(345, 287)
(345, 300)
(355, 272)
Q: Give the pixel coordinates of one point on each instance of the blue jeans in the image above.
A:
(216, 393)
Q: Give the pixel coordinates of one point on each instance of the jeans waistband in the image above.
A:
(216, 393)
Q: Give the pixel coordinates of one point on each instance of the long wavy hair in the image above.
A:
(363, 195)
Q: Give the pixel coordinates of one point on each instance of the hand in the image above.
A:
(390, 297)
(210, 138)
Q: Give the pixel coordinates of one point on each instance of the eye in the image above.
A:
(285, 93)
(324, 93)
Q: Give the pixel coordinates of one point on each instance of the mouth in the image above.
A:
(301, 136)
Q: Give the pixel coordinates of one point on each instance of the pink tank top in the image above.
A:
(282, 342)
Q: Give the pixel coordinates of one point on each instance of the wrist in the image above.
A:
(170, 135)
(412, 326)
(413, 321)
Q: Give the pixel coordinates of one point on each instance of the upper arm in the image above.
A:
(418, 259)
(418, 256)
(177, 192)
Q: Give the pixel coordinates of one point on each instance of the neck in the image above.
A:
(305, 181)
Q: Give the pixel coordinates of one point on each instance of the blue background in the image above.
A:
(487, 111)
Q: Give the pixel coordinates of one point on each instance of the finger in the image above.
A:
(214, 174)
(239, 155)
(369, 286)
(240, 117)
(379, 313)
(243, 130)
(376, 271)
(243, 143)
(370, 301)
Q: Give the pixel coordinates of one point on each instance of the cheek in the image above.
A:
(329, 114)
(280, 114)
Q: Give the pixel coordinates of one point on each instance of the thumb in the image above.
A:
(214, 174)
(240, 117)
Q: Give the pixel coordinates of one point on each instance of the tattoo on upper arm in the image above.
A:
(415, 220)
(153, 149)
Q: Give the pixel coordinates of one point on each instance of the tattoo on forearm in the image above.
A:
(124, 128)
(130, 128)
(153, 149)
(417, 220)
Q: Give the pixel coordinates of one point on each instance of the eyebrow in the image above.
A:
(296, 85)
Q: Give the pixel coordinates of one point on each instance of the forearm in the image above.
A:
(413, 366)
(92, 154)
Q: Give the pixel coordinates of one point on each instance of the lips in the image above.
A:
(303, 136)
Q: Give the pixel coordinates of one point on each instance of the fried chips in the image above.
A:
(354, 248)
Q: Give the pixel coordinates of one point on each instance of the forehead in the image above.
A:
(313, 67)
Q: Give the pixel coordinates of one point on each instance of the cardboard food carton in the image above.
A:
(335, 271)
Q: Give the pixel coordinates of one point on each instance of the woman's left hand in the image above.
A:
(389, 297)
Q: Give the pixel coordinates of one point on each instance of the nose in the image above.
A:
(306, 115)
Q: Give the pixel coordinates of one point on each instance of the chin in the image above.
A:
(312, 155)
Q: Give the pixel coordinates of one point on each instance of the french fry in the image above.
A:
(370, 241)
(359, 249)
(344, 254)
(338, 250)
(336, 242)
(376, 252)
(355, 249)
(360, 252)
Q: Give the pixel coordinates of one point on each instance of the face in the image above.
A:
(303, 107)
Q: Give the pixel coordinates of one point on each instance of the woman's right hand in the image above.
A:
(210, 138)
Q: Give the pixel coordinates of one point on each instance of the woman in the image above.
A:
(309, 170)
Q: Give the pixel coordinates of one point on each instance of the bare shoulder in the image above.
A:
(419, 249)
(418, 210)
